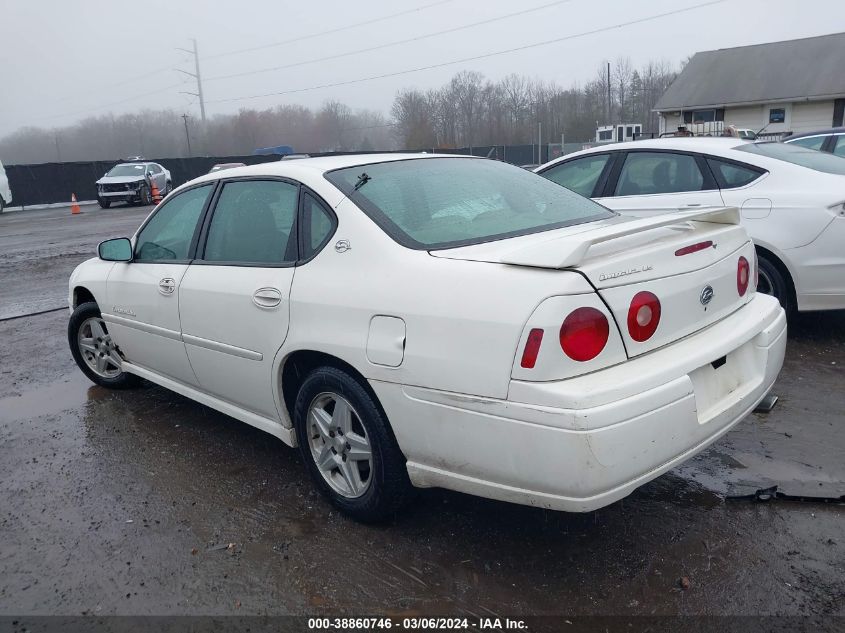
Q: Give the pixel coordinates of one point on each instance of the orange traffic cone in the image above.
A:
(156, 194)
(74, 205)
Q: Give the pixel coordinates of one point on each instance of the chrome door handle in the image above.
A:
(267, 297)
(167, 285)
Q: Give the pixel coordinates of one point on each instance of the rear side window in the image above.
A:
(580, 175)
(790, 153)
(647, 173)
(317, 226)
(253, 223)
(810, 142)
(730, 175)
(169, 233)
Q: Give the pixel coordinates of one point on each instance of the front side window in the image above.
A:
(168, 234)
(790, 153)
(839, 148)
(442, 202)
(731, 175)
(646, 173)
(810, 142)
(253, 223)
(580, 175)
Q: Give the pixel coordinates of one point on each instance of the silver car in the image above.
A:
(132, 183)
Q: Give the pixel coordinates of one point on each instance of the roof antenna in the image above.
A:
(363, 179)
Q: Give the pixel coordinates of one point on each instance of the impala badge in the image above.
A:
(706, 295)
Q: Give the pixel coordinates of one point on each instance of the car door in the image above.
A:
(142, 307)
(647, 182)
(235, 297)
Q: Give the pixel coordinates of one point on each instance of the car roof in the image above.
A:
(829, 130)
(319, 164)
(712, 144)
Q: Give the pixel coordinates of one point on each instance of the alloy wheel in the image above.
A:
(339, 445)
(97, 348)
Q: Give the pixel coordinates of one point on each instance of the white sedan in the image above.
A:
(792, 201)
(422, 320)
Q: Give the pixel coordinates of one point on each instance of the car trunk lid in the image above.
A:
(688, 260)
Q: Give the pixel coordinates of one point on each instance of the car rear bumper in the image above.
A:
(583, 443)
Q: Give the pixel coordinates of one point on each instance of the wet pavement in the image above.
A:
(143, 502)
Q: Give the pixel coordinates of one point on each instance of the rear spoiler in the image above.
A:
(567, 252)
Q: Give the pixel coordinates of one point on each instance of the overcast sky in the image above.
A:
(61, 60)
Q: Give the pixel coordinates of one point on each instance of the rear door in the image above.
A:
(646, 182)
(235, 297)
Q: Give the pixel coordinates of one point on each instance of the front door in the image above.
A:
(652, 182)
(235, 298)
(142, 296)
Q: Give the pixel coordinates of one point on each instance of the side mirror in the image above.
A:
(117, 250)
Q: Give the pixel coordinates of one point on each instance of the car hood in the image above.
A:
(118, 180)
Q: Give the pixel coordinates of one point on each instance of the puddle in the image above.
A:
(52, 399)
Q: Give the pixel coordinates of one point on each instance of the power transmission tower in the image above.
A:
(196, 76)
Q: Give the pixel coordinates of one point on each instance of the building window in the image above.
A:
(703, 116)
(777, 115)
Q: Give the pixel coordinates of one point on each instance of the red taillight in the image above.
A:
(743, 274)
(643, 316)
(532, 348)
(584, 334)
(694, 248)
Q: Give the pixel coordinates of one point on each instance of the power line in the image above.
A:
(474, 57)
(329, 32)
(112, 103)
(389, 44)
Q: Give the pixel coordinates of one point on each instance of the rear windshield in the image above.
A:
(797, 155)
(436, 203)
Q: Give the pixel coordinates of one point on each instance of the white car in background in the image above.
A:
(423, 320)
(5, 191)
(791, 199)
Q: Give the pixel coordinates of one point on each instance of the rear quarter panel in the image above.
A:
(463, 319)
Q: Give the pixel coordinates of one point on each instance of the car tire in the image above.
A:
(87, 344)
(772, 281)
(2, 204)
(367, 490)
(168, 187)
(104, 204)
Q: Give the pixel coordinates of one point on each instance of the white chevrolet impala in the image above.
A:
(422, 320)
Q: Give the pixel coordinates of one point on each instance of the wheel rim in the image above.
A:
(339, 445)
(765, 283)
(97, 348)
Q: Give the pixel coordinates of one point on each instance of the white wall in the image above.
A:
(812, 115)
(803, 116)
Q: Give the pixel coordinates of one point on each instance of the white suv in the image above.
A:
(5, 191)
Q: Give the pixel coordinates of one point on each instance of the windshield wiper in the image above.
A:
(363, 179)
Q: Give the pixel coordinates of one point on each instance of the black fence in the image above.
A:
(51, 183)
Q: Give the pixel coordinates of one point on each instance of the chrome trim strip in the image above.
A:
(216, 346)
(143, 327)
